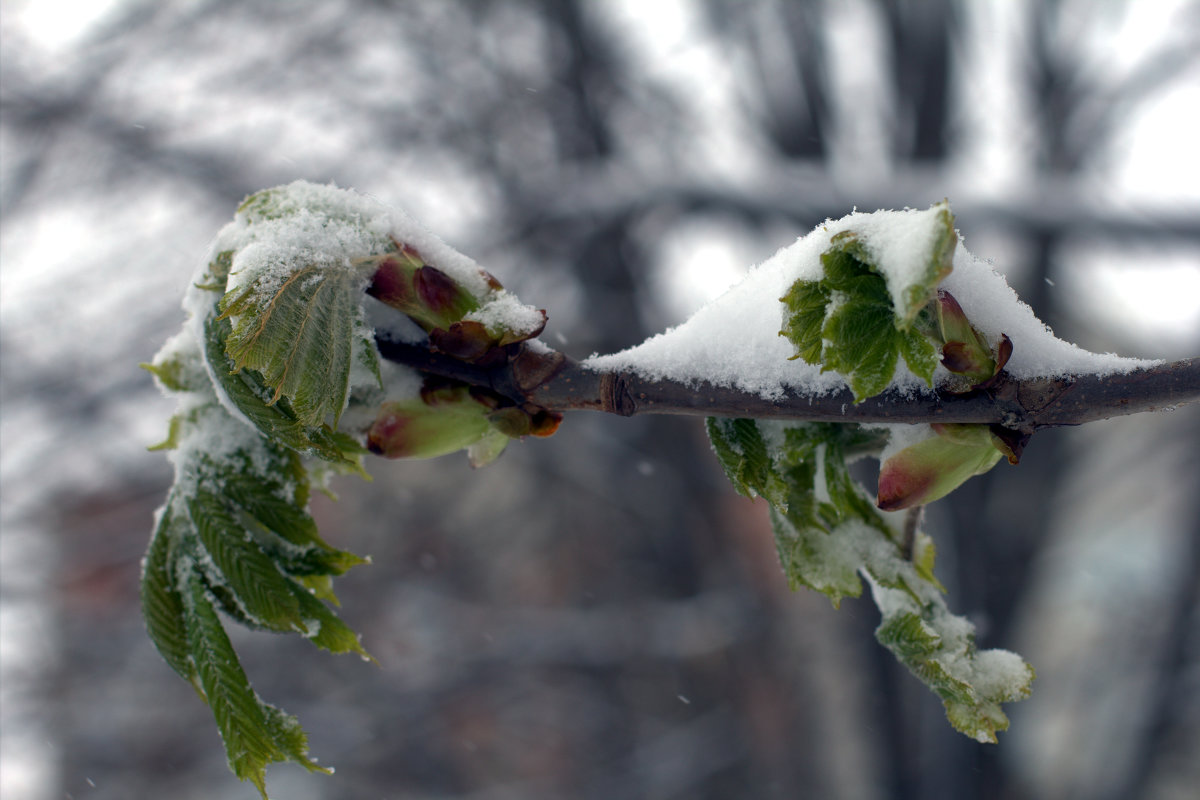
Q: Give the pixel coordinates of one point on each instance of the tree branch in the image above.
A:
(551, 380)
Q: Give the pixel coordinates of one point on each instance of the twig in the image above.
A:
(551, 380)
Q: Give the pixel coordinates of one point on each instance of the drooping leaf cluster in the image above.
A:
(830, 536)
(859, 318)
(275, 355)
(235, 537)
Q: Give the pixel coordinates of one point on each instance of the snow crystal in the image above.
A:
(734, 340)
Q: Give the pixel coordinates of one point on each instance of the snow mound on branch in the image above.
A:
(734, 340)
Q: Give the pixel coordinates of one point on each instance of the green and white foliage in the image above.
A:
(870, 307)
(280, 384)
(830, 535)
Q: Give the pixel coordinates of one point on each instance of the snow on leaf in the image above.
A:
(235, 534)
(939, 649)
(830, 535)
(857, 319)
(732, 341)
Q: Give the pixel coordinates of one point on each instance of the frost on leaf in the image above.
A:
(830, 536)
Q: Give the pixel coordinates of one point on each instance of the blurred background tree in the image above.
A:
(598, 615)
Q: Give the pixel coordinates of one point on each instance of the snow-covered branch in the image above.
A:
(553, 381)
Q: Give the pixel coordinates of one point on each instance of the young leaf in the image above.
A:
(299, 335)
(860, 318)
(804, 319)
(742, 452)
(939, 649)
(255, 582)
(254, 733)
(829, 533)
(248, 393)
(162, 603)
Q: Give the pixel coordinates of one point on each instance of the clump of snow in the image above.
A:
(734, 340)
(994, 308)
(504, 312)
(900, 242)
(304, 220)
(280, 231)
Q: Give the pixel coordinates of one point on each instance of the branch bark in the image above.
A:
(551, 380)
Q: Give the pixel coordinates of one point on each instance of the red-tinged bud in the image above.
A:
(934, 467)
(1009, 442)
(392, 282)
(426, 294)
(1004, 351)
(441, 295)
(442, 420)
(965, 351)
(467, 340)
(545, 423)
(966, 360)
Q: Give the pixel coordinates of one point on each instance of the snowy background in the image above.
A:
(598, 615)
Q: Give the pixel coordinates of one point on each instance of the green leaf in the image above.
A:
(325, 629)
(162, 604)
(864, 344)
(299, 335)
(283, 529)
(254, 733)
(817, 558)
(939, 649)
(805, 302)
(860, 318)
(248, 393)
(829, 535)
(742, 451)
(216, 273)
(235, 535)
(253, 578)
(919, 353)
